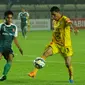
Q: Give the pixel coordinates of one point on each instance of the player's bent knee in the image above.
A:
(48, 52)
(67, 65)
(0, 56)
(10, 58)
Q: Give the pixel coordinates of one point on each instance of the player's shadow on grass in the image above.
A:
(11, 82)
(35, 82)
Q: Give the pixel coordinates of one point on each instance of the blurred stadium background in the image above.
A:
(39, 9)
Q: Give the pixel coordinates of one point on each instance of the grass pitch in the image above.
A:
(55, 72)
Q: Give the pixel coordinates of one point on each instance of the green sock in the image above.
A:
(6, 68)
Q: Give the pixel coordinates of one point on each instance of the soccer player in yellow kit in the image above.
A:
(61, 41)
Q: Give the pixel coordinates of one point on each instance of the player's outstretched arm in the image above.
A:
(74, 28)
(18, 46)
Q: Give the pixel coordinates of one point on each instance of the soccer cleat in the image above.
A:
(32, 74)
(71, 81)
(3, 78)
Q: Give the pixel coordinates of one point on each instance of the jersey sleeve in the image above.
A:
(67, 20)
(16, 32)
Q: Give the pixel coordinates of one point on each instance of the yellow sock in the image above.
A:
(36, 70)
(44, 57)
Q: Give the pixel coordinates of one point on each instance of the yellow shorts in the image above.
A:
(66, 51)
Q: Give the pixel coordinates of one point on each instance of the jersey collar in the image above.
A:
(8, 25)
(60, 17)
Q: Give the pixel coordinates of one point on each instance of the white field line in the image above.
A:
(25, 55)
(59, 62)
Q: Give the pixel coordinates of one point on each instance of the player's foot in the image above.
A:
(71, 81)
(3, 78)
(25, 37)
(32, 74)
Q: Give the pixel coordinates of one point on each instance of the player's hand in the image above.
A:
(21, 51)
(76, 31)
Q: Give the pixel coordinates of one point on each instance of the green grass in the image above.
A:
(55, 72)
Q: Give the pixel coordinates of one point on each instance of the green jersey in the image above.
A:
(23, 16)
(7, 34)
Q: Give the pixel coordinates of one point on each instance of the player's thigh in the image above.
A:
(67, 54)
(66, 51)
(9, 57)
(55, 48)
(51, 49)
(8, 54)
(25, 28)
(22, 26)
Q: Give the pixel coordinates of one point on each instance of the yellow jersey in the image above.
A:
(61, 32)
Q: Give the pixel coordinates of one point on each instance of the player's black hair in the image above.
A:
(54, 8)
(8, 12)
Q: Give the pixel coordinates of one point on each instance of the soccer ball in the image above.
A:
(39, 63)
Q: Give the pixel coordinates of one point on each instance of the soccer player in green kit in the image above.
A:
(24, 17)
(8, 33)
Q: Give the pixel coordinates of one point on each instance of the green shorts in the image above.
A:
(5, 52)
